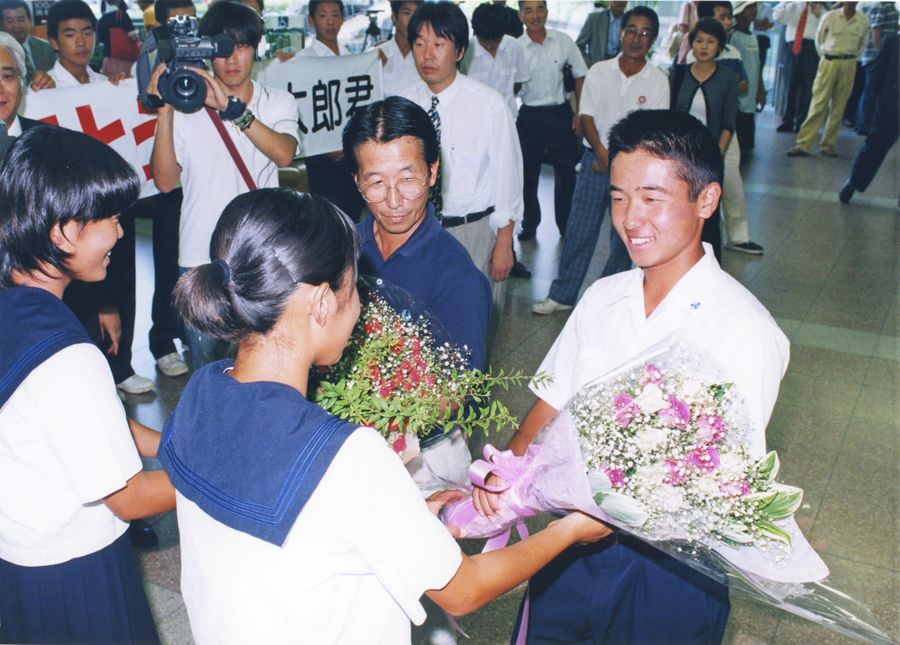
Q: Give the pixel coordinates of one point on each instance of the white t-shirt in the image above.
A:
(481, 159)
(399, 71)
(545, 62)
(709, 308)
(352, 570)
(608, 95)
(64, 446)
(64, 77)
(502, 71)
(316, 49)
(209, 175)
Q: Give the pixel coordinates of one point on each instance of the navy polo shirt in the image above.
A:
(435, 268)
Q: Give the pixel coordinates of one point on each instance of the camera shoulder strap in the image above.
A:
(241, 166)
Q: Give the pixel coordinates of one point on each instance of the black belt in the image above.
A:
(546, 107)
(840, 57)
(450, 222)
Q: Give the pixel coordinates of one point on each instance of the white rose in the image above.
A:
(651, 477)
(706, 486)
(669, 498)
(731, 466)
(651, 399)
(650, 439)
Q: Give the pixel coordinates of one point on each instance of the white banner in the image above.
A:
(107, 112)
(328, 90)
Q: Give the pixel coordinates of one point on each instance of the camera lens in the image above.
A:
(184, 90)
(185, 87)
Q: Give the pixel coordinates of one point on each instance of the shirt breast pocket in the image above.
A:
(465, 169)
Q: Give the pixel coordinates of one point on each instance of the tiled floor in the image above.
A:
(830, 277)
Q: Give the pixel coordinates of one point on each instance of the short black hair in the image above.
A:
(707, 8)
(672, 136)
(489, 21)
(314, 4)
(643, 12)
(446, 19)
(10, 5)
(712, 27)
(383, 121)
(236, 20)
(49, 177)
(397, 5)
(265, 244)
(162, 8)
(68, 10)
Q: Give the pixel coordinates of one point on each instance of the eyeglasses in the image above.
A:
(9, 77)
(634, 32)
(407, 188)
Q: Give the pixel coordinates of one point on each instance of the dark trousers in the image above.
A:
(165, 211)
(547, 129)
(745, 128)
(332, 180)
(865, 111)
(802, 72)
(884, 129)
(853, 103)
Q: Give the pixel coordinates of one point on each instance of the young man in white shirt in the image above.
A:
(666, 174)
(480, 175)
(612, 89)
(188, 149)
(399, 64)
(71, 28)
(546, 121)
(494, 58)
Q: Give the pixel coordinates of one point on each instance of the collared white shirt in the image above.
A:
(546, 62)
(609, 95)
(707, 308)
(481, 160)
(316, 49)
(15, 130)
(502, 71)
(64, 77)
(399, 71)
(838, 36)
(789, 13)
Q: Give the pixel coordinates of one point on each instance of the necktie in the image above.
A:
(798, 37)
(434, 195)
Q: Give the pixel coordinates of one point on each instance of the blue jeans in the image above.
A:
(589, 204)
(204, 348)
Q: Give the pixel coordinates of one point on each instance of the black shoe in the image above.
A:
(519, 270)
(785, 127)
(142, 535)
(846, 193)
(525, 235)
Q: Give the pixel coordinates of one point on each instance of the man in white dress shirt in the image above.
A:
(494, 58)
(399, 69)
(328, 174)
(71, 28)
(481, 163)
(546, 121)
(801, 20)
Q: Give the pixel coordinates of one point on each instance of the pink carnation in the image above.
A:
(616, 476)
(677, 473)
(677, 414)
(705, 458)
(710, 428)
(626, 408)
(736, 488)
(652, 374)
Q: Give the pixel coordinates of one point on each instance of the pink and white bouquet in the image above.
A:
(660, 449)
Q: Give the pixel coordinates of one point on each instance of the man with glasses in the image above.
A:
(392, 150)
(612, 89)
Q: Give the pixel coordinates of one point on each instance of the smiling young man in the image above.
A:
(612, 89)
(261, 123)
(394, 156)
(480, 178)
(666, 177)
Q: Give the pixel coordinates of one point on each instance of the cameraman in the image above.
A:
(260, 121)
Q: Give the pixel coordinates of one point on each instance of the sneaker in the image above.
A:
(797, 152)
(746, 247)
(828, 152)
(172, 365)
(136, 384)
(846, 193)
(549, 306)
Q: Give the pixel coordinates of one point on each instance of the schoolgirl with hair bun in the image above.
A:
(70, 470)
(297, 526)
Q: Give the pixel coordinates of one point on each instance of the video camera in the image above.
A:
(179, 45)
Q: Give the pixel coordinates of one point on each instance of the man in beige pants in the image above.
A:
(840, 39)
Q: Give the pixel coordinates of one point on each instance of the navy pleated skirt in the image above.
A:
(97, 598)
(622, 591)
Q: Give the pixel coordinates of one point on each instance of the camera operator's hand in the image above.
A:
(153, 88)
(216, 92)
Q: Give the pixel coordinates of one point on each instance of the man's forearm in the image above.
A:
(278, 147)
(163, 164)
